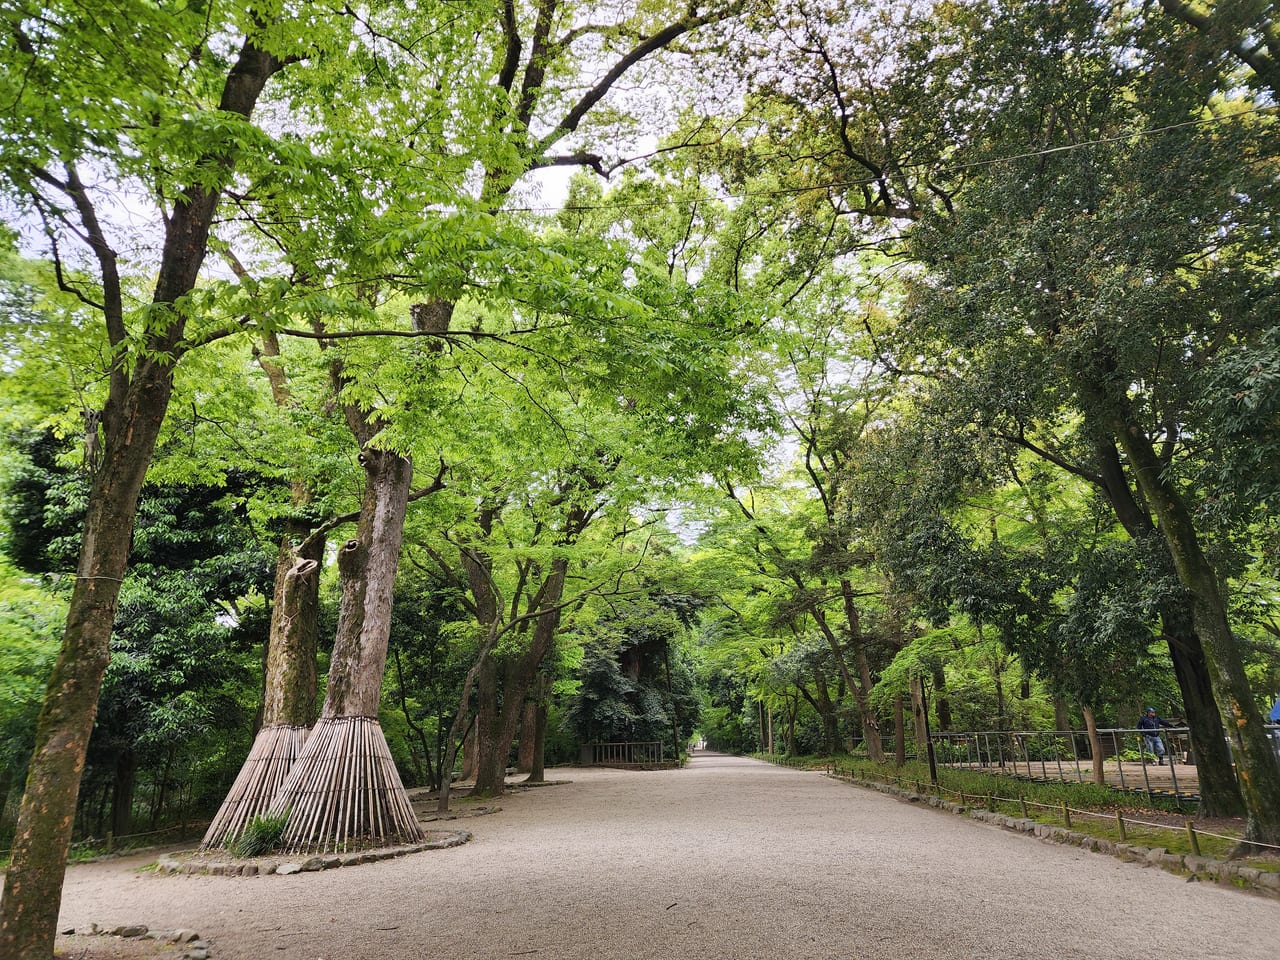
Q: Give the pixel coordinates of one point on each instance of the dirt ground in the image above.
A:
(728, 859)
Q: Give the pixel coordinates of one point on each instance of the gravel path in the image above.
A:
(728, 858)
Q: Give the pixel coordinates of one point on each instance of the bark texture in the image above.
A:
(1219, 791)
(518, 673)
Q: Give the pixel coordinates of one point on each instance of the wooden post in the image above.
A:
(1124, 834)
(1066, 814)
(1023, 802)
(1195, 841)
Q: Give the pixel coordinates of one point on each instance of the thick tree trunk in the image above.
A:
(1061, 714)
(528, 727)
(491, 751)
(1219, 791)
(344, 786)
(518, 674)
(1257, 770)
(289, 698)
(1215, 772)
(538, 772)
(470, 753)
(136, 405)
(33, 881)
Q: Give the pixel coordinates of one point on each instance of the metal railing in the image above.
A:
(1129, 760)
(622, 754)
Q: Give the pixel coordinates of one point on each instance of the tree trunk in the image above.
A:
(518, 674)
(470, 752)
(1095, 744)
(1215, 772)
(33, 882)
(490, 753)
(861, 686)
(289, 697)
(458, 735)
(1257, 770)
(1219, 791)
(917, 713)
(137, 401)
(1061, 714)
(899, 732)
(122, 790)
(675, 713)
(528, 725)
(537, 772)
(344, 786)
(941, 702)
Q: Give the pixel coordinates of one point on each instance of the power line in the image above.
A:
(873, 181)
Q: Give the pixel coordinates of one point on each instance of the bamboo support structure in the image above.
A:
(345, 790)
(274, 752)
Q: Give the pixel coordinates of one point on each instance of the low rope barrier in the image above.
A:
(111, 840)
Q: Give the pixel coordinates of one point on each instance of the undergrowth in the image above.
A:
(262, 834)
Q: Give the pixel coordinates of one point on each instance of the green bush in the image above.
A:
(261, 835)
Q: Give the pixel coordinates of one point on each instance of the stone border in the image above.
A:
(194, 948)
(1226, 872)
(172, 864)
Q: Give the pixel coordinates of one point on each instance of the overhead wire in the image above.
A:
(873, 180)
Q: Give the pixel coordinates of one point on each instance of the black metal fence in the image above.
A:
(622, 754)
(1149, 760)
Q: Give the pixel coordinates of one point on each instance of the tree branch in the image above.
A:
(637, 53)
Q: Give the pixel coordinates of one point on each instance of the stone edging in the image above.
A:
(1265, 882)
(172, 863)
(194, 948)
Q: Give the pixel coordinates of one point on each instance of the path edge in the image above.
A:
(172, 864)
(1223, 872)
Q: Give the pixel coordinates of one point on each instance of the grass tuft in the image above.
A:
(261, 835)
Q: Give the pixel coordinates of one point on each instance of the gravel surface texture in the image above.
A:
(728, 858)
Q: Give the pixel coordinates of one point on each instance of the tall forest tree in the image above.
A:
(1105, 301)
(155, 101)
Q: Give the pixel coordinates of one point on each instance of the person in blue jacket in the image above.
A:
(1150, 726)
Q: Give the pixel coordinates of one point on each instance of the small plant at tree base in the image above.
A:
(262, 834)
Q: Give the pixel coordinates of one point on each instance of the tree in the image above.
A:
(151, 97)
(634, 683)
(1106, 300)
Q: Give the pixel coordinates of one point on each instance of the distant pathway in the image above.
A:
(729, 858)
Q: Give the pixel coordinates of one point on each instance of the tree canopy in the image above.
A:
(914, 354)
